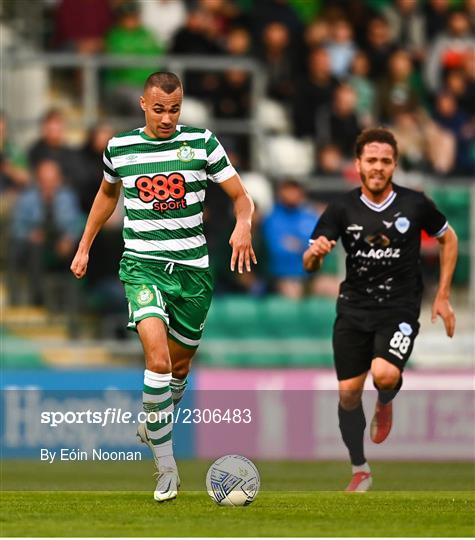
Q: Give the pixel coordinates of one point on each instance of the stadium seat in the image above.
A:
(455, 204)
(272, 117)
(194, 112)
(287, 155)
(281, 317)
(318, 316)
(239, 316)
(259, 189)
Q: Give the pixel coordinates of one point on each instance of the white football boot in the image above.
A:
(167, 484)
(168, 480)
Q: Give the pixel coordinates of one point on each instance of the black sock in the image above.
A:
(352, 426)
(385, 396)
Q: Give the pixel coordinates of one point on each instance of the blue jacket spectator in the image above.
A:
(286, 232)
(46, 224)
(30, 213)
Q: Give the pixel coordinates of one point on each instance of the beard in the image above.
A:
(376, 190)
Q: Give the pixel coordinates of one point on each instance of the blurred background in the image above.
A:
(286, 85)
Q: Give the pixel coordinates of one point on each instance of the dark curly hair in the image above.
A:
(379, 134)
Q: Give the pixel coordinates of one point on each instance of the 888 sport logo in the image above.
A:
(167, 191)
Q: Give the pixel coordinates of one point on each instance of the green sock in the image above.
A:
(157, 401)
(178, 387)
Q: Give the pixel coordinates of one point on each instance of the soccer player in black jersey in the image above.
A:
(379, 302)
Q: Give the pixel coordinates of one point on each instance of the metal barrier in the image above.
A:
(91, 66)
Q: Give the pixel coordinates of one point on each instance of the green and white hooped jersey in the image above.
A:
(164, 191)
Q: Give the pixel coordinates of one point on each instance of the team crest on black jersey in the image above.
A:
(402, 224)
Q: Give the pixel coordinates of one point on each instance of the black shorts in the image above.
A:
(361, 336)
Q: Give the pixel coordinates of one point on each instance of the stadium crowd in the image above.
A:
(333, 66)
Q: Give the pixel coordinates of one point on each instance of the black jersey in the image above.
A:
(382, 242)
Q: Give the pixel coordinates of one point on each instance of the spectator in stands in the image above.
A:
(341, 48)
(314, 94)
(238, 42)
(456, 83)
(449, 50)
(81, 26)
(397, 90)
(223, 13)
(436, 13)
(128, 36)
(423, 145)
(342, 125)
(379, 46)
(469, 72)
(45, 226)
(232, 98)
(198, 36)
(407, 25)
(52, 146)
(267, 11)
(316, 34)
(162, 18)
(330, 161)
(13, 164)
(411, 140)
(278, 61)
(363, 88)
(286, 232)
(92, 165)
(470, 10)
(449, 116)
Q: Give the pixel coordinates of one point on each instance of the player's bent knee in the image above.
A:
(385, 375)
(158, 365)
(181, 371)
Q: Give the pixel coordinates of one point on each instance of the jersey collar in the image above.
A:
(153, 139)
(379, 207)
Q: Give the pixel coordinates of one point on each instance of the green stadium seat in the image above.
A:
(318, 314)
(281, 317)
(454, 202)
(241, 315)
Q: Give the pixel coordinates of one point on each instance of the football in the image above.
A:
(233, 481)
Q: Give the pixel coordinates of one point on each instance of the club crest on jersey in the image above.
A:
(185, 152)
(405, 328)
(144, 296)
(402, 224)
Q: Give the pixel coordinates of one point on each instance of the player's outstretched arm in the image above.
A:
(448, 258)
(314, 255)
(102, 208)
(240, 240)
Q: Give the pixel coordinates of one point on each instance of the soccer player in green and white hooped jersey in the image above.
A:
(164, 168)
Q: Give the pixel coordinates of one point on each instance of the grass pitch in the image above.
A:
(296, 499)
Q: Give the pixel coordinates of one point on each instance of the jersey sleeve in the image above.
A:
(218, 167)
(109, 172)
(328, 225)
(433, 221)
